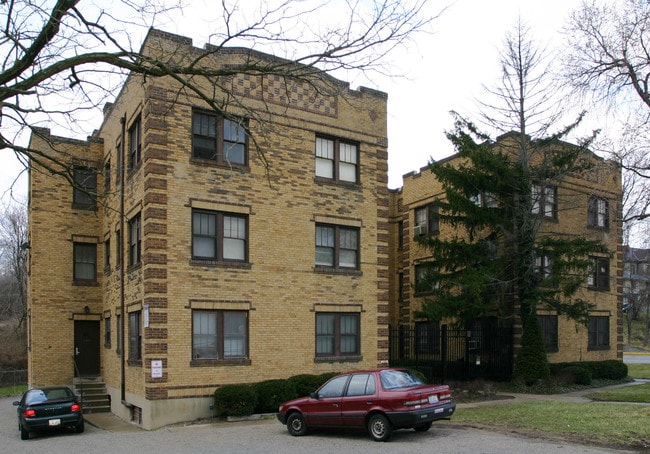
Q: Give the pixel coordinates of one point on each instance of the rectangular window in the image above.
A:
(548, 326)
(120, 331)
(219, 236)
(107, 254)
(598, 333)
(598, 277)
(427, 336)
(426, 220)
(485, 199)
(135, 336)
(337, 160)
(544, 200)
(598, 213)
(135, 240)
(337, 334)
(135, 144)
(337, 247)
(107, 332)
(85, 262)
(107, 177)
(219, 334)
(543, 266)
(424, 282)
(220, 139)
(85, 188)
(118, 249)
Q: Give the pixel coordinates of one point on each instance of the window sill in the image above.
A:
(338, 359)
(598, 289)
(135, 267)
(598, 228)
(84, 207)
(332, 182)
(338, 271)
(592, 348)
(220, 264)
(84, 283)
(134, 362)
(243, 168)
(220, 362)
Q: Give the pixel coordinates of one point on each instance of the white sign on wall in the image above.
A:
(156, 368)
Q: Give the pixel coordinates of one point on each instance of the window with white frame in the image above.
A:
(337, 160)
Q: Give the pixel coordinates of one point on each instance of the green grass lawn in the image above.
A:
(12, 390)
(631, 393)
(639, 370)
(600, 423)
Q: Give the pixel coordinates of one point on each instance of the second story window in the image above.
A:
(598, 213)
(135, 240)
(107, 177)
(424, 282)
(85, 262)
(85, 188)
(135, 144)
(337, 247)
(426, 220)
(219, 139)
(337, 160)
(219, 236)
(598, 277)
(107, 254)
(543, 266)
(544, 200)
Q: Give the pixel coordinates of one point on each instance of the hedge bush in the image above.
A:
(234, 400)
(271, 393)
(265, 396)
(576, 374)
(609, 370)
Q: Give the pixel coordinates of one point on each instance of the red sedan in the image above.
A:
(377, 400)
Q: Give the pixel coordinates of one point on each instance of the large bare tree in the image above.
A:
(64, 59)
(608, 62)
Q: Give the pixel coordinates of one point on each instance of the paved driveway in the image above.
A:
(636, 358)
(269, 436)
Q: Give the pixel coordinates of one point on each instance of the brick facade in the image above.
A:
(602, 180)
(278, 287)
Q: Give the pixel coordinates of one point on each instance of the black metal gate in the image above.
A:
(445, 353)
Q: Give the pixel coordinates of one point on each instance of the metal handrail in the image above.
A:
(81, 382)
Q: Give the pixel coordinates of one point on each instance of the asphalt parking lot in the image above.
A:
(269, 436)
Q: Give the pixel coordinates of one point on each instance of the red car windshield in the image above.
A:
(395, 379)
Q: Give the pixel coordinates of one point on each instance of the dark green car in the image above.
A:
(47, 409)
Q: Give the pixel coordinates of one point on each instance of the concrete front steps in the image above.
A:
(93, 395)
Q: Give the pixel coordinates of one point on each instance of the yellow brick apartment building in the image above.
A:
(224, 248)
(582, 204)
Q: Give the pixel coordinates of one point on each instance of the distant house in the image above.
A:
(583, 204)
(198, 266)
(636, 280)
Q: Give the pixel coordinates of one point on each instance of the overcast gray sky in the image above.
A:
(442, 71)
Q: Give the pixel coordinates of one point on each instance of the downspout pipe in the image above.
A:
(122, 264)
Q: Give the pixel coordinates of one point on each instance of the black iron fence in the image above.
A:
(13, 377)
(445, 353)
